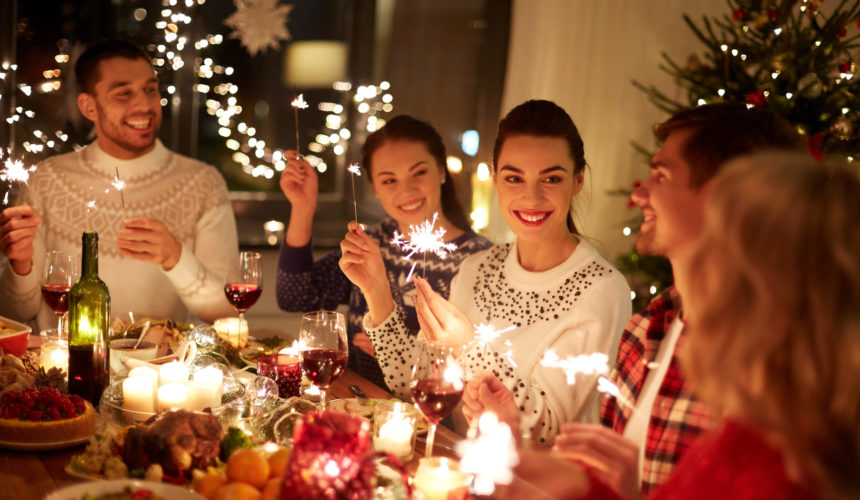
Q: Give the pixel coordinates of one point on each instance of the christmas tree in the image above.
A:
(794, 57)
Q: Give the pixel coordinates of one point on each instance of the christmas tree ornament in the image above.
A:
(809, 86)
(259, 24)
(841, 128)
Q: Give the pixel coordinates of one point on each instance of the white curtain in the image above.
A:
(583, 54)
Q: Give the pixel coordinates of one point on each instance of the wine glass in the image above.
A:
(244, 286)
(58, 275)
(323, 348)
(437, 386)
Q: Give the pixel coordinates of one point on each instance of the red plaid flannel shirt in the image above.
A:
(677, 417)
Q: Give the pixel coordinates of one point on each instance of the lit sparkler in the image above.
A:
(298, 103)
(354, 169)
(118, 184)
(490, 456)
(14, 172)
(423, 239)
(587, 364)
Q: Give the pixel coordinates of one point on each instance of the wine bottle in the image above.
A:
(89, 326)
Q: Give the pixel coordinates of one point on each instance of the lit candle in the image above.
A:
(137, 396)
(147, 373)
(55, 354)
(438, 476)
(394, 430)
(173, 395)
(205, 388)
(173, 372)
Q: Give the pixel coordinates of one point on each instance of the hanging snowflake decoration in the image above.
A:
(259, 24)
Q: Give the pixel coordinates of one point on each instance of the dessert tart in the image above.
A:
(44, 416)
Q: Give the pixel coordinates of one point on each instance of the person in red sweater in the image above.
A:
(771, 291)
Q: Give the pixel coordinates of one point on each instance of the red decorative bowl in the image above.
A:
(14, 341)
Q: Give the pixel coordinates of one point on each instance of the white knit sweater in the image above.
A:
(578, 307)
(188, 196)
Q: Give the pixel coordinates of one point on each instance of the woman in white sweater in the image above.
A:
(550, 285)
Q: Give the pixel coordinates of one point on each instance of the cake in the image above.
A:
(44, 416)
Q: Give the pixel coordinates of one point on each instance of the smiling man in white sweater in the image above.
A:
(165, 250)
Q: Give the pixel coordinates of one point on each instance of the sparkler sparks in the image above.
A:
(487, 333)
(298, 103)
(587, 364)
(14, 172)
(118, 184)
(490, 456)
(354, 169)
(605, 386)
(423, 239)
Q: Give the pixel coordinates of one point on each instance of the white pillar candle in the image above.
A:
(173, 372)
(55, 354)
(206, 388)
(150, 375)
(137, 395)
(173, 395)
(437, 476)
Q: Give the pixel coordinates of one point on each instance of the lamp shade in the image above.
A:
(315, 63)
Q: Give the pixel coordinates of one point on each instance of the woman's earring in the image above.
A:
(444, 179)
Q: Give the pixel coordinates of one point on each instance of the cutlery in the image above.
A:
(356, 391)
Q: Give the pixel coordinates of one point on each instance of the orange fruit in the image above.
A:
(237, 491)
(207, 485)
(249, 467)
(278, 462)
(272, 489)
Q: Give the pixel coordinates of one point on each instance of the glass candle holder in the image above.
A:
(436, 477)
(285, 370)
(331, 458)
(55, 354)
(394, 429)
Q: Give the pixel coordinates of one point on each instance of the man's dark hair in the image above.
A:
(723, 131)
(87, 67)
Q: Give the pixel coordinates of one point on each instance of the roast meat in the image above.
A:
(178, 440)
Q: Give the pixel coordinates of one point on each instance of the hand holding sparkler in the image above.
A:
(18, 226)
(440, 320)
(611, 457)
(300, 185)
(361, 262)
(149, 240)
(486, 393)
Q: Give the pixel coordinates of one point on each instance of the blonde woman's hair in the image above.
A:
(774, 311)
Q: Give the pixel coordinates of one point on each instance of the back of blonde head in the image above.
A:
(774, 310)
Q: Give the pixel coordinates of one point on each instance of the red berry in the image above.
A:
(35, 416)
(54, 414)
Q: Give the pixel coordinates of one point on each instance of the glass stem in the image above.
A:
(239, 329)
(322, 398)
(60, 326)
(431, 436)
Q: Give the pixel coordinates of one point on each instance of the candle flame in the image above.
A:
(490, 456)
(299, 102)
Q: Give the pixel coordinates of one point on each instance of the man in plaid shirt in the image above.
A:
(657, 416)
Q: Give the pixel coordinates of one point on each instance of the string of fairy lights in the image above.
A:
(255, 157)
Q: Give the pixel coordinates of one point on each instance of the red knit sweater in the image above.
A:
(733, 462)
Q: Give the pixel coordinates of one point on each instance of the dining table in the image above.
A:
(31, 475)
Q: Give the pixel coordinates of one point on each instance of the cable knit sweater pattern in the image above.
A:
(75, 192)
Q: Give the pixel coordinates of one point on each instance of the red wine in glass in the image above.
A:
(437, 386)
(57, 298)
(243, 286)
(436, 398)
(58, 275)
(241, 295)
(323, 366)
(324, 348)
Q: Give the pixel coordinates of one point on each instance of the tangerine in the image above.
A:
(249, 467)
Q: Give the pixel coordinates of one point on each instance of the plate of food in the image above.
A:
(366, 406)
(116, 488)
